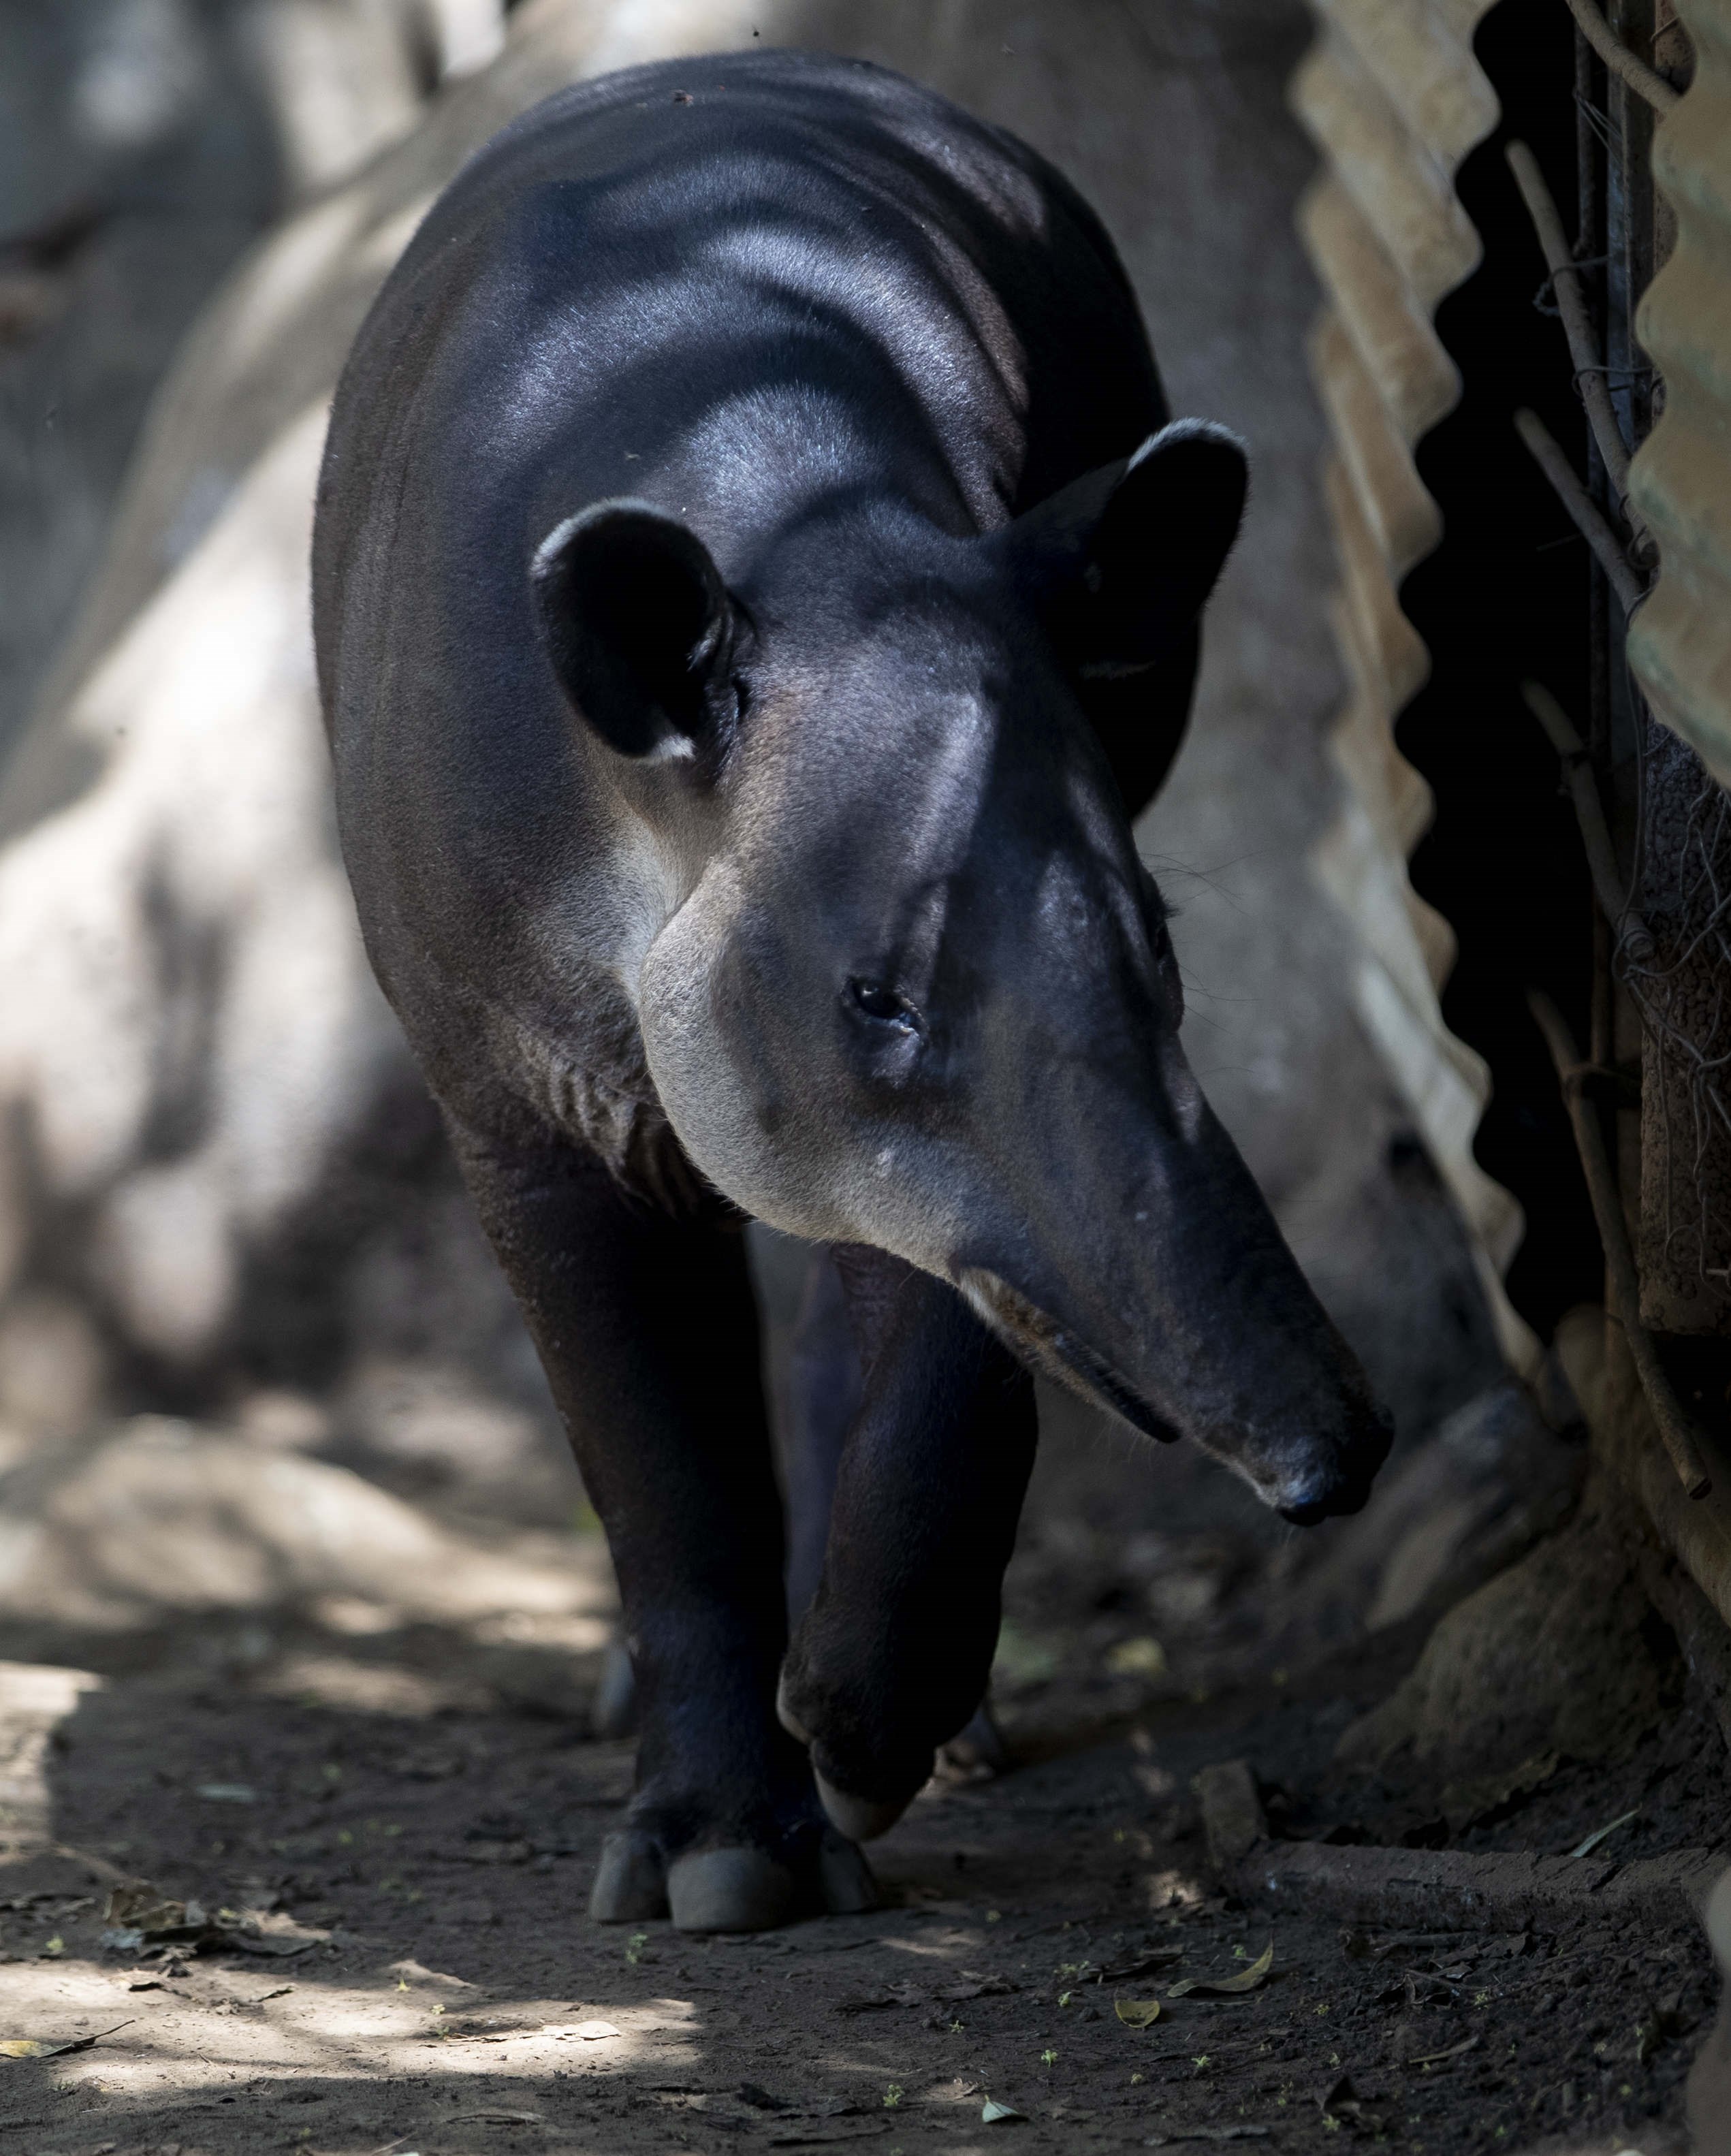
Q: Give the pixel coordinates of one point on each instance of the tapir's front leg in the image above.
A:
(648, 1333)
(823, 1394)
(892, 1657)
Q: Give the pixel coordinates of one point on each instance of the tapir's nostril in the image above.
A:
(1339, 1489)
(1304, 1510)
(1341, 1498)
(1329, 1496)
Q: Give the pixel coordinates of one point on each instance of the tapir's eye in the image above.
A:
(872, 999)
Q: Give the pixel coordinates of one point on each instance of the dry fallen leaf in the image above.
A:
(1155, 1958)
(1138, 2012)
(1208, 2133)
(140, 1907)
(414, 1972)
(1246, 1979)
(893, 1995)
(759, 2097)
(814, 2137)
(1343, 2103)
(35, 2047)
(1454, 2052)
(281, 1944)
(972, 1985)
(1585, 1847)
(138, 1916)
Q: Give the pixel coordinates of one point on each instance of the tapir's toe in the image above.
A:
(741, 1889)
(729, 1890)
(861, 1819)
(630, 1880)
(857, 1818)
(845, 1878)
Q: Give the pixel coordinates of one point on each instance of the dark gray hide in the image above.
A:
(756, 584)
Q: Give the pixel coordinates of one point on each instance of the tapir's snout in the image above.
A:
(1333, 1489)
(1153, 1278)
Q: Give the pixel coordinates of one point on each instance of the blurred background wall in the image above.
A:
(223, 1191)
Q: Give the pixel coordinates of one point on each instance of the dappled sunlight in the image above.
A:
(303, 2027)
(338, 1681)
(398, 1994)
(398, 1866)
(33, 1703)
(166, 1517)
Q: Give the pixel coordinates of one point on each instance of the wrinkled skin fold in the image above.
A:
(757, 581)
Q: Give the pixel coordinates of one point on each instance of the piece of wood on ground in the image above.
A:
(1232, 1817)
(1465, 1891)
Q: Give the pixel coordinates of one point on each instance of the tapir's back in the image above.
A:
(738, 287)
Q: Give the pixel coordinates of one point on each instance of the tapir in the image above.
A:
(756, 582)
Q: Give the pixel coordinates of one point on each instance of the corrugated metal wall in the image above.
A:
(1680, 643)
(1394, 100)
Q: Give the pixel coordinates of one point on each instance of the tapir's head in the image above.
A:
(909, 984)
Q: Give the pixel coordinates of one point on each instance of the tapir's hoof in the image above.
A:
(980, 1746)
(631, 1883)
(729, 1890)
(859, 1819)
(845, 1877)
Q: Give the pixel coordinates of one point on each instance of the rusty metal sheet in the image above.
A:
(1394, 98)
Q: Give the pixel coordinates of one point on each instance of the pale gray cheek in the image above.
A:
(796, 1170)
(763, 1159)
(779, 1144)
(897, 1201)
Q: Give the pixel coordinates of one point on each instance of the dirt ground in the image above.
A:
(351, 1722)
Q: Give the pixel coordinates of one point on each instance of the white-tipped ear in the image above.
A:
(639, 627)
(1120, 562)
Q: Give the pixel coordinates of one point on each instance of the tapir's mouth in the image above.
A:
(1054, 1349)
(1310, 1491)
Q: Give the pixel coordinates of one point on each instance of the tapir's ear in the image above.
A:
(639, 626)
(1120, 562)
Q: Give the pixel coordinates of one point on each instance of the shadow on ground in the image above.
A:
(355, 1729)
